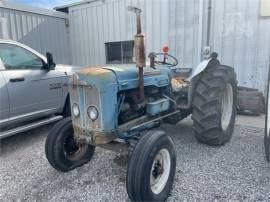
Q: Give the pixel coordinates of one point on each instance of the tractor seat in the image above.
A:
(178, 84)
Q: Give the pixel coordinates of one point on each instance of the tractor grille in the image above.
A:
(86, 96)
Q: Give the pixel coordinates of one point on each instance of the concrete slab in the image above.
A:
(241, 120)
(250, 121)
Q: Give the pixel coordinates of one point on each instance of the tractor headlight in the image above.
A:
(76, 110)
(92, 113)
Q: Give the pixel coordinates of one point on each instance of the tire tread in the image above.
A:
(206, 104)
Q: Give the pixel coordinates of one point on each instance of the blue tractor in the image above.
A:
(117, 107)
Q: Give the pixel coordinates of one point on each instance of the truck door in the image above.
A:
(4, 102)
(33, 91)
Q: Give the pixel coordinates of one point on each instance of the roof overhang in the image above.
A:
(64, 8)
(30, 9)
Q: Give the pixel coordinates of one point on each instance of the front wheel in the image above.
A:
(62, 151)
(151, 168)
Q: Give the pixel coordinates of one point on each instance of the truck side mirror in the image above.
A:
(50, 63)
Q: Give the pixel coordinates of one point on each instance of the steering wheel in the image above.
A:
(169, 60)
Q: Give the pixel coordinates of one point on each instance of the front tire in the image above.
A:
(62, 152)
(151, 168)
(214, 105)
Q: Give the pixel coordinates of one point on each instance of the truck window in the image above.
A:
(18, 58)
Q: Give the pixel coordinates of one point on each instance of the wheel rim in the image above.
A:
(72, 150)
(160, 171)
(227, 107)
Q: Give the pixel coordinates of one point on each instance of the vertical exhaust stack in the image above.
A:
(139, 50)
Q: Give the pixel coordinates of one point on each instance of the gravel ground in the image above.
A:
(234, 172)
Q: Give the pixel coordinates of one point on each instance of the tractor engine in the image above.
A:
(133, 108)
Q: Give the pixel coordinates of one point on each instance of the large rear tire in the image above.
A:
(151, 168)
(215, 105)
(62, 152)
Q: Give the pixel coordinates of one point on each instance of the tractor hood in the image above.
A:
(127, 76)
(98, 77)
(123, 76)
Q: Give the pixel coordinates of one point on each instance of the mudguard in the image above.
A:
(200, 68)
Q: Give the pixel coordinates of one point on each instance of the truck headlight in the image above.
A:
(76, 110)
(92, 113)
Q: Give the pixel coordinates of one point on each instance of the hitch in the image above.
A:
(139, 50)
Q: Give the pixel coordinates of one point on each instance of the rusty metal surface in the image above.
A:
(93, 137)
(139, 51)
(95, 71)
(139, 24)
(94, 87)
(85, 96)
(127, 126)
(141, 85)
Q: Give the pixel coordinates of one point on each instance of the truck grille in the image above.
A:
(85, 96)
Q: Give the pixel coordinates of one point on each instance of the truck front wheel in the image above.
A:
(62, 152)
(214, 105)
(151, 168)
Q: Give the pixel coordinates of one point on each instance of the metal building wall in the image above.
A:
(176, 23)
(238, 33)
(41, 29)
(242, 38)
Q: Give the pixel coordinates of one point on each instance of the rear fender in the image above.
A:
(200, 68)
(212, 62)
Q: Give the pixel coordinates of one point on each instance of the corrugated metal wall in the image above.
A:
(238, 33)
(242, 38)
(44, 33)
(173, 22)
